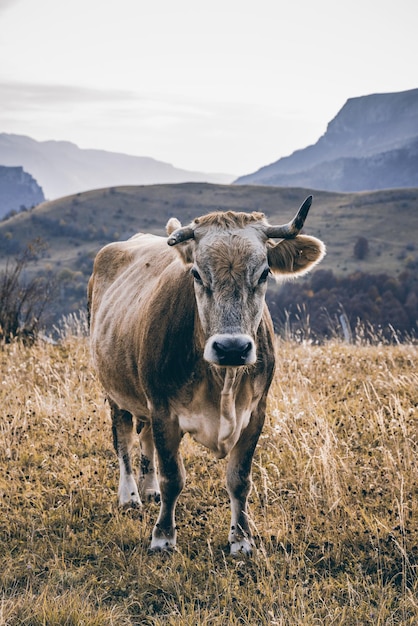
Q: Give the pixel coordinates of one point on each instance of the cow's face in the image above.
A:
(230, 272)
(230, 258)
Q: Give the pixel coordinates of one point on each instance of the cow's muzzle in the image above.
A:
(230, 350)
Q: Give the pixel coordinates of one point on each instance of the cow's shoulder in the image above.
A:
(126, 265)
(115, 257)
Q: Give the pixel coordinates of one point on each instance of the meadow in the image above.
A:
(334, 504)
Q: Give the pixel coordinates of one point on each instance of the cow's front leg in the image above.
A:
(148, 482)
(123, 433)
(238, 480)
(167, 438)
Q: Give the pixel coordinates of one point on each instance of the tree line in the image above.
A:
(323, 304)
(320, 307)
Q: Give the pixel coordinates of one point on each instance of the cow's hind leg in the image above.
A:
(148, 482)
(238, 479)
(167, 437)
(123, 434)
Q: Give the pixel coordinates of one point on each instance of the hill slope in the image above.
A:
(76, 227)
(62, 168)
(372, 143)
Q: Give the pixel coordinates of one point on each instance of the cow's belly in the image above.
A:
(123, 390)
(205, 428)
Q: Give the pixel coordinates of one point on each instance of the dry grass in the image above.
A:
(334, 502)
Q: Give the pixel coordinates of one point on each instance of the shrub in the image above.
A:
(22, 300)
(361, 248)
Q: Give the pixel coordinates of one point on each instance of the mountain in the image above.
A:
(62, 168)
(18, 190)
(372, 143)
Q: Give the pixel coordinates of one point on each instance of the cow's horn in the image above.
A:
(179, 235)
(290, 230)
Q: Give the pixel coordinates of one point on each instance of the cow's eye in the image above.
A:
(264, 276)
(196, 275)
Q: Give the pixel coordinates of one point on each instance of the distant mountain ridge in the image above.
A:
(372, 143)
(62, 168)
(18, 190)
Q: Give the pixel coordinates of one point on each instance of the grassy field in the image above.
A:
(334, 503)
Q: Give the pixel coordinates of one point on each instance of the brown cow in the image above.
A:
(183, 343)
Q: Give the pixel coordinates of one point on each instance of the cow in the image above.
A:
(183, 342)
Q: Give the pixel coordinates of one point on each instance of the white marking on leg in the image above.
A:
(128, 490)
(164, 534)
(159, 543)
(167, 437)
(239, 540)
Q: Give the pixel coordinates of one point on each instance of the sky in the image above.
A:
(221, 86)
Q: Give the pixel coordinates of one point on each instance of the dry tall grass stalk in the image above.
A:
(334, 504)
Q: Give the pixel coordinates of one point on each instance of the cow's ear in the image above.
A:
(185, 249)
(294, 256)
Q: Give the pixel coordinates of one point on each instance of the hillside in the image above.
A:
(18, 190)
(62, 168)
(74, 228)
(372, 143)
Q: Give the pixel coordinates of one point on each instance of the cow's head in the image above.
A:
(231, 256)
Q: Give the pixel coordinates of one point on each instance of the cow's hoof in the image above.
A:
(131, 502)
(162, 542)
(242, 547)
(162, 545)
(150, 495)
(128, 493)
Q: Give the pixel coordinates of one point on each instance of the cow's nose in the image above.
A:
(232, 351)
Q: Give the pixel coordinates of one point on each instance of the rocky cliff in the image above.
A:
(372, 143)
(18, 190)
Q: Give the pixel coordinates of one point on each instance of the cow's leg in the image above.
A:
(148, 482)
(167, 437)
(238, 480)
(123, 433)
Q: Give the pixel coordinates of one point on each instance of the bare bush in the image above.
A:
(23, 299)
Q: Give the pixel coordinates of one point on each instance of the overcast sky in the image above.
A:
(220, 85)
